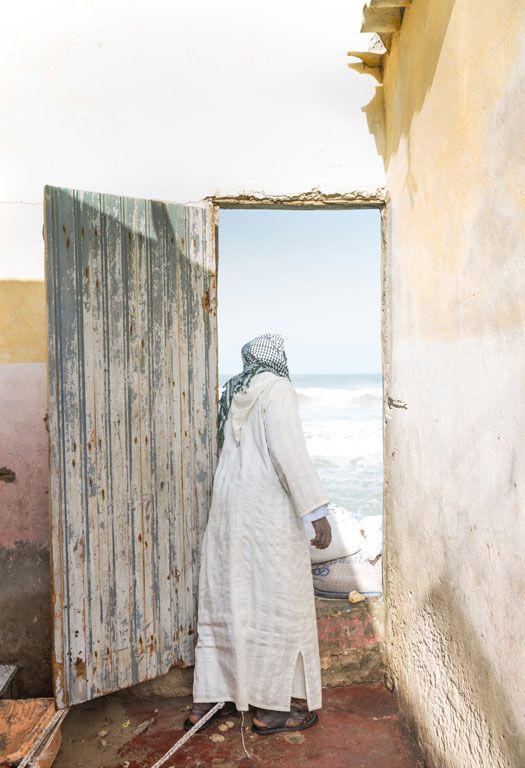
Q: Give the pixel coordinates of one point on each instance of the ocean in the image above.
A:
(342, 421)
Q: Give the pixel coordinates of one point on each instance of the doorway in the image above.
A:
(132, 371)
(315, 276)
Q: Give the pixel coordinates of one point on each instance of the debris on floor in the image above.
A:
(359, 727)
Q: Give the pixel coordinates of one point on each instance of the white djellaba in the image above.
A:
(257, 634)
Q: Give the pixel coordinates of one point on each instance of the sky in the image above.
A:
(313, 276)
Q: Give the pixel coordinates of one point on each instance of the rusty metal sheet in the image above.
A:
(131, 290)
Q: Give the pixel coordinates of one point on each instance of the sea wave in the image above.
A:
(344, 436)
(339, 397)
(350, 449)
(329, 393)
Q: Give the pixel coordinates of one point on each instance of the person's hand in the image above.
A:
(323, 533)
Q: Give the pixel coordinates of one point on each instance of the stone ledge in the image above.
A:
(350, 638)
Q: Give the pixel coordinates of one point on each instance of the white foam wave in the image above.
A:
(339, 396)
(343, 431)
(351, 449)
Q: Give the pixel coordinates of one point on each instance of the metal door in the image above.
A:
(131, 289)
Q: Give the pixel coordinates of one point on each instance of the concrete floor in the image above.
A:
(359, 727)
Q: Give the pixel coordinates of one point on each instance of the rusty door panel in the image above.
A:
(131, 289)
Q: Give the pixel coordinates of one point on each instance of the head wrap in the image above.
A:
(264, 353)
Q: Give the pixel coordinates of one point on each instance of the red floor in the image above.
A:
(359, 727)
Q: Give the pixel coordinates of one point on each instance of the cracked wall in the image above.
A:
(454, 97)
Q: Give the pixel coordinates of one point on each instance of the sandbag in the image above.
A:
(353, 561)
(350, 534)
(346, 535)
(337, 578)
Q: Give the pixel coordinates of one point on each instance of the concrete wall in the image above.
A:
(169, 100)
(454, 95)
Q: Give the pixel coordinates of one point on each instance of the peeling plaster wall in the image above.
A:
(454, 96)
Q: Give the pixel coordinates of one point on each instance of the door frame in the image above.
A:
(353, 200)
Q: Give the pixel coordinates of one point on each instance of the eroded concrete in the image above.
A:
(25, 611)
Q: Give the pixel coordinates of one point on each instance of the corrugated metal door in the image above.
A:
(131, 287)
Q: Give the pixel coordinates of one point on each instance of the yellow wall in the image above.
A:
(23, 324)
(454, 103)
(454, 135)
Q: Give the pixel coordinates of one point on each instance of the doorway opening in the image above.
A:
(315, 276)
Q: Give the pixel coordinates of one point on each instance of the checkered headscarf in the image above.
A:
(264, 353)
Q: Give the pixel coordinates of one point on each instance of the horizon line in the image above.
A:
(346, 373)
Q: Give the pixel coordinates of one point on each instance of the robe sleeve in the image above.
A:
(287, 448)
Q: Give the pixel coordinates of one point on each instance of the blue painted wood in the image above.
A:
(131, 289)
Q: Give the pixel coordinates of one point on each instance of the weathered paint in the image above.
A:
(132, 368)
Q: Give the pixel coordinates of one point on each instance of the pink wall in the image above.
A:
(25, 594)
(24, 514)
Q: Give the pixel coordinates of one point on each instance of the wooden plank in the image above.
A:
(22, 723)
(161, 251)
(193, 336)
(100, 563)
(211, 391)
(67, 427)
(116, 309)
(42, 750)
(46, 756)
(56, 443)
(175, 234)
(201, 415)
(186, 498)
(149, 510)
(132, 348)
(134, 221)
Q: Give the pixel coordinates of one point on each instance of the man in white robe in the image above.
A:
(257, 633)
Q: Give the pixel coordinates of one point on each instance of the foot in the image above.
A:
(198, 711)
(267, 718)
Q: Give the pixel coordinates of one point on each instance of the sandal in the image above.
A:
(277, 722)
(229, 710)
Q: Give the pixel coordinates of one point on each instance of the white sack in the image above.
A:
(349, 535)
(338, 578)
